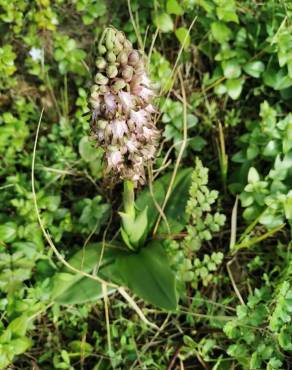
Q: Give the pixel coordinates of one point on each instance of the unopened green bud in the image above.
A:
(101, 49)
(119, 85)
(100, 63)
(117, 48)
(95, 95)
(104, 89)
(120, 36)
(94, 101)
(101, 79)
(109, 39)
(127, 73)
(128, 45)
(110, 56)
(94, 89)
(123, 57)
(101, 123)
(112, 71)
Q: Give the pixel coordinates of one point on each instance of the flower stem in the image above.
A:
(129, 198)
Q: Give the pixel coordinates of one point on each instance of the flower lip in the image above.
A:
(127, 100)
(110, 102)
(140, 117)
(119, 128)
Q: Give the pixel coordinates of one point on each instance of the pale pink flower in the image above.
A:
(123, 116)
(127, 100)
(142, 92)
(150, 109)
(145, 80)
(145, 93)
(148, 132)
(110, 102)
(131, 145)
(119, 128)
(100, 135)
(140, 117)
(114, 158)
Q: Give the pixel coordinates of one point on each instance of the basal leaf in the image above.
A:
(147, 274)
(69, 288)
(175, 208)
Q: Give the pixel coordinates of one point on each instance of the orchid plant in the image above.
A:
(123, 122)
(123, 125)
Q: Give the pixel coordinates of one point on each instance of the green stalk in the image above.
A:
(129, 198)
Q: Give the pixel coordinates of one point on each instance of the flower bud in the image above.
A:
(101, 124)
(94, 88)
(123, 57)
(101, 79)
(100, 63)
(139, 68)
(127, 73)
(94, 101)
(112, 71)
(95, 95)
(128, 45)
(101, 49)
(134, 58)
(104, 89)
(110, 56)
(123, 116)
(120, 36)
(118, 47)
(118, 85)
(109, 39)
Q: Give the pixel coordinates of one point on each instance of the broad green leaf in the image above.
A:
(277, 79)
(87, 150)
(234, 88)
(19, 325)
(175, 208)
(253, 175)
(81, 346)
(163, 22)
(183, 36)
(231, 69)
(20, 345)
(147, 274)
(81, 291)
(254, 69)
(197, 143)
(226, 10)
(69, 287)
(221, 32)
(135, 228)
(173, 7)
